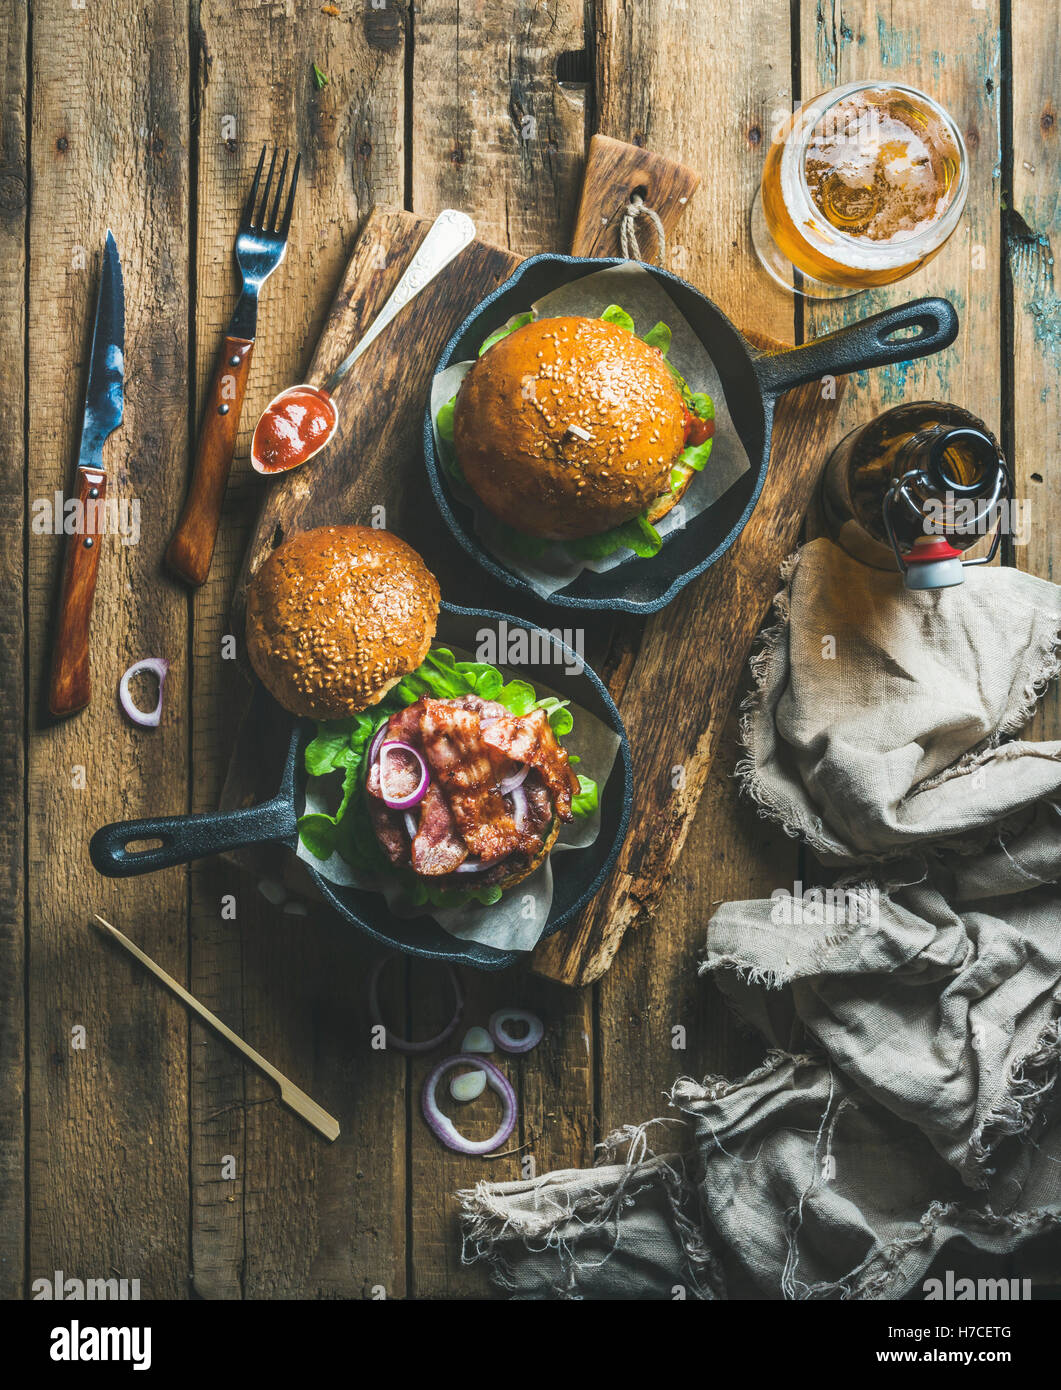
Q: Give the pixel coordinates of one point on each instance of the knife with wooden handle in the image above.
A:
(70, 686)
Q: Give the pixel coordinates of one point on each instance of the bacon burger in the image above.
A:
(450, 773)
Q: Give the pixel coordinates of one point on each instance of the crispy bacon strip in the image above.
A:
(389, 831)
(468, 774)
(438, 848)
(530, 739)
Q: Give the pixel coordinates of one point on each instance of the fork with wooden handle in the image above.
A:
(260, 246)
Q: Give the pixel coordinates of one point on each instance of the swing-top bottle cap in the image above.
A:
(932, 563)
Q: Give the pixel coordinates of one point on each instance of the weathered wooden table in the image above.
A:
(149, 1152)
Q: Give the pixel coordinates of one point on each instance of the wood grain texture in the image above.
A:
(14, 183)
(1032, 240)
(70, 684)
(952, 53)
(493, 131)
(189, 553)
(615, 172)
(296, 1221)
(108, 1179)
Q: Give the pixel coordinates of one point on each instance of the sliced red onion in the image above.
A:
(510, 784)
(377, 739)
(471, 865)
(411, 826)
(443, 1127)
(519, 807)
(159, 665)
(413, 798)
(477, 1040)
(404, 1044)
(505, 1040)
(468, 1086)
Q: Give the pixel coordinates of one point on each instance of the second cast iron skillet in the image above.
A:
(577, 873)
(751, 380)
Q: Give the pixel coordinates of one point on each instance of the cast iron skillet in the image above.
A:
(752, 382)
(577, 874)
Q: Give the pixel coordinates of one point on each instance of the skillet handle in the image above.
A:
(868, 343)
(188, 837)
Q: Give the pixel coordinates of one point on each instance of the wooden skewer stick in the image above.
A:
(290, 1094)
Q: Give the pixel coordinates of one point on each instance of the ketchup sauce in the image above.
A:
(292, 428)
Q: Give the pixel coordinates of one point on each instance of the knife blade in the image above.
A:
(70, 685)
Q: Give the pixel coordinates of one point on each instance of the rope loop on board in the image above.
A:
(631, 247)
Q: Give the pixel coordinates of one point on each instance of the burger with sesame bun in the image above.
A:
(575, 430)
(443, 773)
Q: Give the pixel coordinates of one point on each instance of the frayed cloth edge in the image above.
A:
(488, 1224)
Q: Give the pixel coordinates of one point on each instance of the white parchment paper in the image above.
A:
(648, 303)
(517, 920)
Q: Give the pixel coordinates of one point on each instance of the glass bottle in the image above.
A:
(915, 488)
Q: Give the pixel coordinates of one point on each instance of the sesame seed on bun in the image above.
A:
(568, 427)
(337, 616)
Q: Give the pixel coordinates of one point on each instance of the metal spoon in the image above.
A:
(448, 235)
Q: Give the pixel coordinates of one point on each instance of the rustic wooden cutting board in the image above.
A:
(674, 675)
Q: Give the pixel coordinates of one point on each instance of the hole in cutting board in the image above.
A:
(278, 535)
(573, 68)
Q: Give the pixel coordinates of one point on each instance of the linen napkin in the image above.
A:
(920, 1125)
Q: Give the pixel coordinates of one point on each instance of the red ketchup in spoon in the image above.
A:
(292, 428)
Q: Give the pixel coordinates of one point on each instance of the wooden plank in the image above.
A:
(493, 132)
(282, 980)
(1032, 239)
(14, 182)
(496, 135)
(743, 82)
(108, 1122)
(1032, 225)
(953, 54)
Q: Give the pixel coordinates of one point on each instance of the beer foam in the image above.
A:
(878, 162)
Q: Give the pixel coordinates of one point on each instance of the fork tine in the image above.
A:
(260, 224)
(286, 224)
(248, 211)
(279, 193)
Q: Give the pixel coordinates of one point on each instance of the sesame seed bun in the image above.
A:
(513, 417)
(338, 615)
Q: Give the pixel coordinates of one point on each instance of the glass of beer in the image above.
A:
(861, 187)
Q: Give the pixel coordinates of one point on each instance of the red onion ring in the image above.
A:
(402, 803)
(405, 1044)
(519, 807)
(443, 1128)
(511, 783)
(157, 664)
(471, 865)
(377, 739)
(505, 1041)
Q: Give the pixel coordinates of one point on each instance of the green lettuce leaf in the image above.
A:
(614, 314)
(638, 535)
(517, 321)
(659, 337)
(444, 419)
(588, 798)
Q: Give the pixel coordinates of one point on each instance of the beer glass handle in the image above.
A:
(878, 341)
